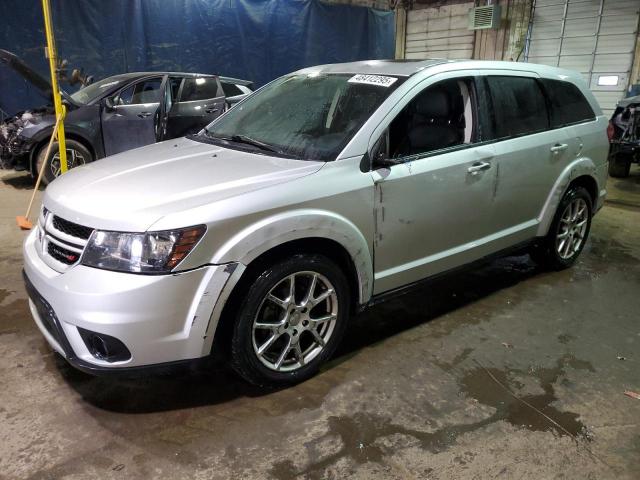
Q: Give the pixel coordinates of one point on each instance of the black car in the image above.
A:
(115, 114)
(624, 137)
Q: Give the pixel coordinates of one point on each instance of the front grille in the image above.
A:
(70, 228)
(60, 243)
(62, 254)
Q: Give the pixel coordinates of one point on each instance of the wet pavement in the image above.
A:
(504, 371)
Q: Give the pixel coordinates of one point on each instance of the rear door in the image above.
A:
(529, 154)
(200, 101)
(133, 120)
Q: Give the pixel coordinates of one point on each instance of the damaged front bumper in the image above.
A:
(14, 146)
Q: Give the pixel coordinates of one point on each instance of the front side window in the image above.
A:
(568, 104)
(518, 106)
(146, 91)
(308, 116)
(201, 88)
(441, 116)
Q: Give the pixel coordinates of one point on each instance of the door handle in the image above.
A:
(478, 167)
(144, 114)
(559, 147)
(211, 110)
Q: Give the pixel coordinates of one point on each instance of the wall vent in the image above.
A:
(481, 18)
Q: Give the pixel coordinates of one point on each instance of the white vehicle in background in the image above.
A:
(324, 191)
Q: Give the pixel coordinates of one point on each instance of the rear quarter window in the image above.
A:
(568, 104)
(230, 89)
(518, 106)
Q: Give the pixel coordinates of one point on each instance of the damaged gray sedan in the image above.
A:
(113, 115)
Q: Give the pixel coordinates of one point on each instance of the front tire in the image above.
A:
(77, 154)
(568, 232)
(291, 321)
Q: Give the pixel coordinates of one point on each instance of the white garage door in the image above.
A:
(594, 37)
(439, 32)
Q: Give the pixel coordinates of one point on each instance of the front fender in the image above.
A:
(258, 238)
(577, 168)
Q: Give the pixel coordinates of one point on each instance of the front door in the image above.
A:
(133, 119)
(434, 206)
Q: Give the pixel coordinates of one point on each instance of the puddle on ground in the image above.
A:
(478, 384)
(361, 434)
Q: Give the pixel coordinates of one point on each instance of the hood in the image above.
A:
(625, 102)
(132, 190)
(43, 85)
(17, 65)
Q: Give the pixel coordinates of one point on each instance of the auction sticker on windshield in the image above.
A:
(380, 80)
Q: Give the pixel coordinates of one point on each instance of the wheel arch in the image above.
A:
(279, 237)
(44, 140)
(581, 172)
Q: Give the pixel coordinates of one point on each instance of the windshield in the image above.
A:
(310, 116)
(94, 91)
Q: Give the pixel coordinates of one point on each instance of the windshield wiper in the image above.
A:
(246, 140)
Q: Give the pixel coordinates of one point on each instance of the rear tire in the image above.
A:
(568, 232)
(280, 338)
(77, 154)
(620, 165)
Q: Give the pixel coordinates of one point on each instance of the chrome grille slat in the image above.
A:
(60, 241)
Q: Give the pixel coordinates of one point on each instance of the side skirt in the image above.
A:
(519, 248)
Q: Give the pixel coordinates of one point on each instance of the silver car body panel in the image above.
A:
(398, 224)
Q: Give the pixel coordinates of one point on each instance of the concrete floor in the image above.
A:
(505, 371)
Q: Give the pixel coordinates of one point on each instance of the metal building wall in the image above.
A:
(594, 37)
(439, 32)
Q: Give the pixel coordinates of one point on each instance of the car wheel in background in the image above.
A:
(290, 321)
(620, 165)
(77, 154)
(568, 232)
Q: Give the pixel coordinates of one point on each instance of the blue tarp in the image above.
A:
(257, 40)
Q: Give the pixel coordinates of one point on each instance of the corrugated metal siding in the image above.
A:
(594, 37)
(439, 32)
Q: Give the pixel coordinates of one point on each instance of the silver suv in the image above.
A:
(324, 191)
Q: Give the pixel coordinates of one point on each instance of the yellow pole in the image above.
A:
(57, 99)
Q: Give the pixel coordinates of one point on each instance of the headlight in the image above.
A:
(150, 252)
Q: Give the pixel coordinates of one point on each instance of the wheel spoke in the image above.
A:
(323, 296)
(319, 339)
(298, 353)
(324, 319)
(312, 288)
(267, 326)
(283, 355)
(281, 303)
(292, 289)
(268, 343)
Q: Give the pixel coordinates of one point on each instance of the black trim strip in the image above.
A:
(396, 292)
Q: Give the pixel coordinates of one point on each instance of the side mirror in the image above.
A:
(109, 104)
(380, 160)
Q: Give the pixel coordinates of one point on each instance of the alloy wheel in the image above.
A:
(572, 228)
(295, 321)
(74, 159)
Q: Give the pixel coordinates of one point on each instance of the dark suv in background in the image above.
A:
(116, 114)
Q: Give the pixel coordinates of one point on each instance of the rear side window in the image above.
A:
(519, 107)
(231, 90)
(201, 88)
(568, 104)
